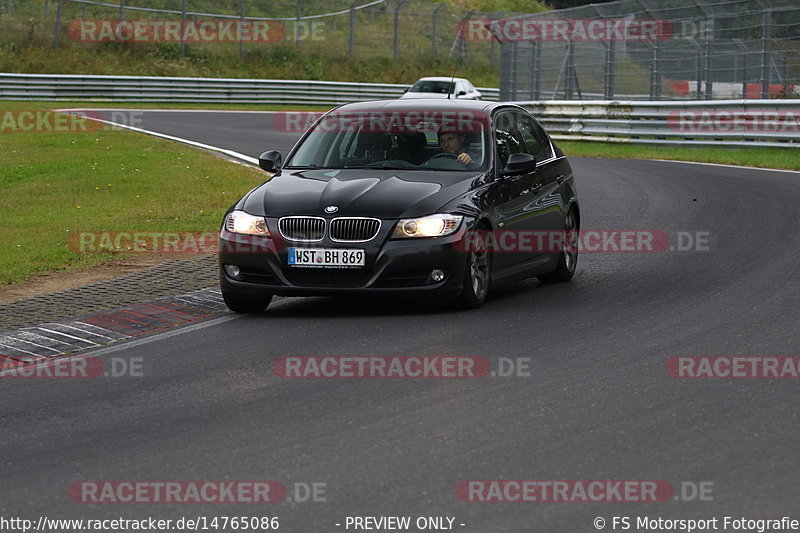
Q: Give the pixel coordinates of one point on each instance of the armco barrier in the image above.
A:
(703, 123)
(197, 90)
(694, 122)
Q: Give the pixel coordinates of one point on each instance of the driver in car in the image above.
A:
(453, 143)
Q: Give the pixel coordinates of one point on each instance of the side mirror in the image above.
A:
(270, 161)
(519, 164)
(462, 93)
(406, 89)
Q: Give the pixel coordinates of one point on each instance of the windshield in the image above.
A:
(449, 140)
(440, 87)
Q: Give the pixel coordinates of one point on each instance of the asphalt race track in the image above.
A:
(598, 403)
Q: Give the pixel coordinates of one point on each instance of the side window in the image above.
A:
(508, 139)
(536, 142)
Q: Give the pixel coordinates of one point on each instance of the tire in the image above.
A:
(477, 275)
(568, 258)
(242, 304)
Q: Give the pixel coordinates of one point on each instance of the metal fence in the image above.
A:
(702, 49)
(202, 90)
(695, 49)
(351, 29)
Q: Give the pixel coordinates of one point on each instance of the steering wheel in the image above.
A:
(445, 154)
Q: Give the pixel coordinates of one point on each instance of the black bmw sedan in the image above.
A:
(427, 198)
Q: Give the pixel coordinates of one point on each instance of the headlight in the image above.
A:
(430, 226)
(246, 224)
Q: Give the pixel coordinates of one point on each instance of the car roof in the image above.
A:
(423, 105)
(440, 78)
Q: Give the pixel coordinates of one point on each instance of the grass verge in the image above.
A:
(53, 184)
(782, 158)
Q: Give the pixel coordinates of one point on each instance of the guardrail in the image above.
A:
(196, 90)
(704, 123)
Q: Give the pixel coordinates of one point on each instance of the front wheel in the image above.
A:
(568, 258)
(477, 275)
(246, 304)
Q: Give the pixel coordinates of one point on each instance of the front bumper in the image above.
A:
(399, 267)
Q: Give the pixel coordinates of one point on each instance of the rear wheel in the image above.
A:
(248, 304)
(477, 274)
(568, 258)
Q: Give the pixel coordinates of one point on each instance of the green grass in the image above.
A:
(782, 158)
(53, 184)
(272, 62)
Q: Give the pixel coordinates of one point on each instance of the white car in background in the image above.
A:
(440, 87)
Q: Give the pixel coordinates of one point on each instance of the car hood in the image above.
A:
(373, 193)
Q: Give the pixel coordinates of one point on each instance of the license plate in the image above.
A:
(326, 257)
